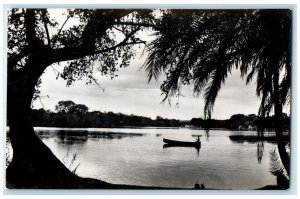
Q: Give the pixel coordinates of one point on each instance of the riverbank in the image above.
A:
(82, 183)
(90, 183)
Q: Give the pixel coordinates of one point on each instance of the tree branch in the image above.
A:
(99, 22)
(59, 31)
(96, 28)
(70, 53)
(46, 28)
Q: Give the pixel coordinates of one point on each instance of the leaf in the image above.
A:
(276, 166)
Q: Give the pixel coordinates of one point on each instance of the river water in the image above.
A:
(136, 156)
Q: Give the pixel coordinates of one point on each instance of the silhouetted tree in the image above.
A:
(202, 47)
(196, 122)
(64, 106)
(35, 42)
(71, 107)
(236, 120)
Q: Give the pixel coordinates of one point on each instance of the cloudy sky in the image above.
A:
(130, 93)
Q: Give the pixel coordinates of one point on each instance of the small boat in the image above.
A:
(181, 143)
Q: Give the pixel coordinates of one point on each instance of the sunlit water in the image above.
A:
(137, 157)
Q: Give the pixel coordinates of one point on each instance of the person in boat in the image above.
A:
(198, 139)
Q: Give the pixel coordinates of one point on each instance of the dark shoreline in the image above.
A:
(92, 184)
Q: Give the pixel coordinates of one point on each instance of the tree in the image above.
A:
(71, 107)
(236, 120)
(197, 122)
(80, 109)
(202, 47)
(64, 106)
(35, 42)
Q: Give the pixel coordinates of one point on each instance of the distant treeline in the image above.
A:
(242, 122)
(69, 114)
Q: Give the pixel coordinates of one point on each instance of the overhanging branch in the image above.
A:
(71, 53)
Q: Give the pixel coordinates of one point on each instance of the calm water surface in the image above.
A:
(137, 157)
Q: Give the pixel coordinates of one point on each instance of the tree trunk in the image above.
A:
(278, 123)
(33, 164)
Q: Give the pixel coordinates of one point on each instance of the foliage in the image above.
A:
(8, 155)
(278, 170)
(200, 47)
(197, 122)
(71, 107)
(276, 167)
(100, 39)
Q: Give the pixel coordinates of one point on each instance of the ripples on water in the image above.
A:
(137, 157)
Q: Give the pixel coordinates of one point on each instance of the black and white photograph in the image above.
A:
(148, 98)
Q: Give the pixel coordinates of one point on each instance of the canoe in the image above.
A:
(182, 143)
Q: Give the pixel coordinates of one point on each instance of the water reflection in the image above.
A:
(260, 151)
(65, 137)
(260, 145)
(70, 140)
(46, 134)
(175, 146)
(251, 138)
(112, 135)
(82, 136)
(207, 134)
(259, 139)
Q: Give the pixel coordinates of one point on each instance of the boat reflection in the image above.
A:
(172, 146)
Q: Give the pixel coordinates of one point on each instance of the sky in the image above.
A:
(130, 93)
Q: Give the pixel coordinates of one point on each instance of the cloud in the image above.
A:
(130, 93)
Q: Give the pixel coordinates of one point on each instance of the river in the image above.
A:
(136, 156)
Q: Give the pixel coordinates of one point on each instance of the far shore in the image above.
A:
(137, 127)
